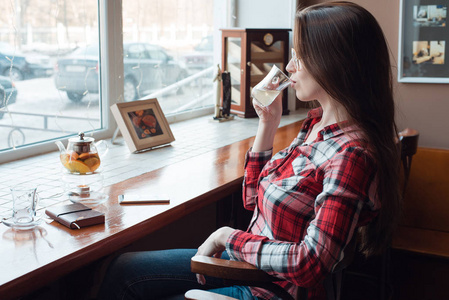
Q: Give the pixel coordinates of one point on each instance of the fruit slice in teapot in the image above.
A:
(80, 164)
(93, 162)
(77, 166)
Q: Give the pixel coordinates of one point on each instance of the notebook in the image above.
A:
(75, 216)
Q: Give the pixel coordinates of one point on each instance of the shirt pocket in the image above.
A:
(296, 176)
(302, 165)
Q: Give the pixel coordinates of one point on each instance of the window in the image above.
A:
(164, 59)
(63, 63)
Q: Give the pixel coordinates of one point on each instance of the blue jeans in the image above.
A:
(161, 274)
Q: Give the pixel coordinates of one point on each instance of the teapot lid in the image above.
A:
(81, 139)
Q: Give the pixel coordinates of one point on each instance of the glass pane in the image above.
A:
(263, 58)
(233, 62)
(168, 52)
(49, 76)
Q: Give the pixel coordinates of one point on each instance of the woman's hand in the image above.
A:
(271, 113)
(269, 119)
(214, 246)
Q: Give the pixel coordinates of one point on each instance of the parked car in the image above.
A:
(147, 68)
(8, 94)
(23, 66)
(202, 57)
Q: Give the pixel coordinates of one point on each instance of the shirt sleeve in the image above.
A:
(347, 188)
(254, 163)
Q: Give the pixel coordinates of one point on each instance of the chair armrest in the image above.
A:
(238, 273)
(228, 269)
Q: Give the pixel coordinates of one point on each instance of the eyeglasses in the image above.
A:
(296, 61)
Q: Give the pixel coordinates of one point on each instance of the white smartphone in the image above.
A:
(140, 199)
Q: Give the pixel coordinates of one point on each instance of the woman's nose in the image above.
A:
(290, 67)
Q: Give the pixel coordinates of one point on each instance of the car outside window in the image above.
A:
(156, 54)
(136, 51)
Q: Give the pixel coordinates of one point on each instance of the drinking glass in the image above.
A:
(24, 199)
(271, 86)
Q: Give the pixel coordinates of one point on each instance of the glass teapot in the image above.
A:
(81, 155)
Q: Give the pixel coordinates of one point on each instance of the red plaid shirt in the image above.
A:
(307, 202)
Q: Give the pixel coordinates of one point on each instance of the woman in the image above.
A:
(338, 177)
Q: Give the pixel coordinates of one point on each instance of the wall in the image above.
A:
(265, 13)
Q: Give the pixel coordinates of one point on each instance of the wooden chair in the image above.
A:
(243, 273)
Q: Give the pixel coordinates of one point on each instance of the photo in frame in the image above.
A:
(423, 41)
(143, 124)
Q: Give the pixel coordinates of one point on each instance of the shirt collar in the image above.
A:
(329, 131)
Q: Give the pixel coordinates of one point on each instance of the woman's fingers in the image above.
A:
(271, 113)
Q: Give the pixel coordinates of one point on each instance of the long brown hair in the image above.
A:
(343, 47)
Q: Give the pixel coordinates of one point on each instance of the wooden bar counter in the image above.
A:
(32, 259)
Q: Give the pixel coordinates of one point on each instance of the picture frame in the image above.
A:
(143, 124)
(423, 41)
